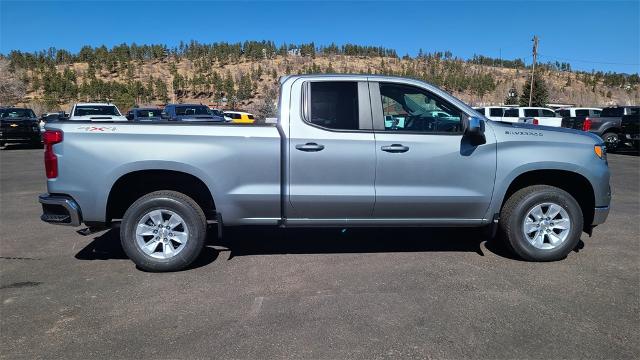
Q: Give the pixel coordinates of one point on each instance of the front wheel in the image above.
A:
(163, 231)
(541, 223)
(611, 141)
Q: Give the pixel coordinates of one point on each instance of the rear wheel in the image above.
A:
(163, 231)
(541, 223)
(611, 140)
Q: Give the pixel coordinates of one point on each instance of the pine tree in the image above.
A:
(540, 92)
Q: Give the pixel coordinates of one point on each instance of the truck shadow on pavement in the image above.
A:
(250, 241)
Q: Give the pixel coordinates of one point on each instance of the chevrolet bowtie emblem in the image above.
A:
(14, 125)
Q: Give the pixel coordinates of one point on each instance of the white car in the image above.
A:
(578, 111)
(96, 112)
(532, 115)
(494, 113)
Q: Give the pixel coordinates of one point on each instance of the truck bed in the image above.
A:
(240, 164)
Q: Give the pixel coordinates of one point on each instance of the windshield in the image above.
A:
(16, 113)
(88, 110)
(216, 112)
(612, 112)
(149, 113)
(192, 110)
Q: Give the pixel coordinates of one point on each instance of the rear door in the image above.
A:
(426, 172)
(331, 153)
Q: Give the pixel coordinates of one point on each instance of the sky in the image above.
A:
(600, 35)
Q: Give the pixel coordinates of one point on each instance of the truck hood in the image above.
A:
(528, 132)
(99, 118)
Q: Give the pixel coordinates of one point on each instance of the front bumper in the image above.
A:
(600, 215)
(60, 210)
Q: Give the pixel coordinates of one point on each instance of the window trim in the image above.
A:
(364, 107)
(378, 112)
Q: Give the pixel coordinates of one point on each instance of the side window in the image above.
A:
(250, 116)
(513, 112)
(582, 112)
(411, 109)
(480, 110)
(634, 110)
(596, 113)
(497, 112)
(334, 104)
(531, 112)
(548, 113)
(563, 113)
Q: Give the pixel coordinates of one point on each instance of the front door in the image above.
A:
(425, 169)
(331, 154)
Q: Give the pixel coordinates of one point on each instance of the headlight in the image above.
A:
(601, 151)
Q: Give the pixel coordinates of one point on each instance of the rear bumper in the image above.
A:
(60, 210)
(600, 215)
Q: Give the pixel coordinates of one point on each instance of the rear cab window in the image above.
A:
(497, 112)
(88, 110)
(513, 112)
(547, 113)
(582, 112)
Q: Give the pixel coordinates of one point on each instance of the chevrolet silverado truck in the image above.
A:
(331, 160)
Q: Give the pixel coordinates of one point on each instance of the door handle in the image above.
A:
(310, 147)
(395, 148)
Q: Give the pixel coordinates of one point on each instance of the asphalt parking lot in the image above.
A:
(357, 294)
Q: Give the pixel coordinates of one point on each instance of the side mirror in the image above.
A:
(474, 130)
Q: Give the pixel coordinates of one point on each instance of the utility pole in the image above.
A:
(533, 68)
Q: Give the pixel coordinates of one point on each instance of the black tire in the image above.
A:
(516, 209)
(178, 203)
(611, 140)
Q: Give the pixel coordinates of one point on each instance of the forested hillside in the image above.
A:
(245, 75)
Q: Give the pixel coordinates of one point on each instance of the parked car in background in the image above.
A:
(18, 125)
(494, 113)
(330, 161)
(535, 116)
(144, 114)
(240, 117)
(630, 131)
(96, 112)
(189, 112)
(607, 126)
(578, 111)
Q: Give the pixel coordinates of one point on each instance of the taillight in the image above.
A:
(535, 121)
(586, 125)
(49, 138)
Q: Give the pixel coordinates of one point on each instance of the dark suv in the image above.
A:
(19, 125)
(189, 112)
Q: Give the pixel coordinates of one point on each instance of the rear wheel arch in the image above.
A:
(577, 185)
(131, 186)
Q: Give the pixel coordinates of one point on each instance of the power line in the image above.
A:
(587, 61)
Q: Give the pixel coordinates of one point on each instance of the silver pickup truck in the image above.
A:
(346, 151)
